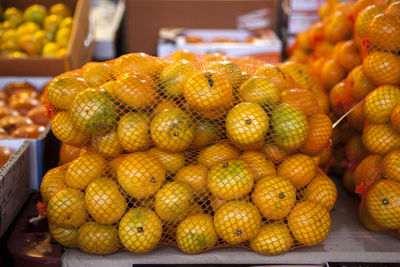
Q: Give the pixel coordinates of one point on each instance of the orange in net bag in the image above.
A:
(193, 151)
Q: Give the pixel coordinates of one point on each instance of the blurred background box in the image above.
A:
(304, 5)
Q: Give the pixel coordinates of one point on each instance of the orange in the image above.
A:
(172, 130)
(355, 151)
(380, 138)
(99, 239)
(395, 118)
(274, 153)
(367, 171)
(196, 233)
(174, 201)
(309, 222)
(67, 237)
(319, 133)
(384, 32)
(133, 131)
(356, 118)
(363, 19)
(336, 98)
(174, 76)
(227, 68)
(349, 56)
(246, 123)
(273, 239)
(274, 196)
(380, 103)
(208, 90)
(302, 99)
(337, 27)
(184, 54)
(360, 85)
(237, 221)
(324, 156)
(109, 88)
(216, 153)
(84, 169)
(107, 144)
(52, 183)
(67, 208)
(140, 175)
(391, 165)
(260, 90)
(68, 153)
(35, 13)
(206, 132)
(290, 127)
(63, 89)
(299, 169)
(367, 221)
(230, 179)
(164, 104)
(323, 49)
(97, 74)
(259, 165)
(140, 230)
(348, 180)
(383, 203)
(195, 176)
(303, 41)
(215, 202)
(276, 75)
(332, 73)
(214, 57)
(60, 9)
(104, 201)
(299, 73)
(393, 9)
(172, 162)
(14, 15)
(139, 63)
(62, 37)
(382, 68)
(135, 90)
(322, 190)
(114, 163)
(358, 6)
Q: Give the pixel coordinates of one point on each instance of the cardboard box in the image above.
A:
(304, 5)
(14, 182)
(145, 18)
(266, 46)
(79, 48)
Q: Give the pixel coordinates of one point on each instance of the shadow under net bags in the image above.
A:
(193, 151)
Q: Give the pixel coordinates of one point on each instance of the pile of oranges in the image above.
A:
(193, 151)
(355, 54)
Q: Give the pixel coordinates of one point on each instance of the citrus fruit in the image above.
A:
(382, 68)
(172, 130)
(35, 13)
(319, 133)
(300, 98)
(140, 175)
(164, 104)
(172, 162)
(383, 203)
(259, 164)
(395, 118)
(260, 90)
(104, 201)
(50, 49)
(63, 89)
(348, 180)
(368, 170)
(391, 165)
(216, 153)
(299, 169)
(274, 153)
(107, 144)
(174, 201)
(274, 196)
(380, 103)
(337, 27)
(67, 237)
(380, 138)
(13, 15)
(99, 239)
(299, 73)
(273, 239)
(230, 179)
(384, 32)
(196, 233)
(52, 183)
(174, 76)
(135, 90)
(84, 169)
(61, 10)
(67, 208)
(367, 221)
(356, 118)
(332, 73)
(140, 230)
(360, 85)
(208, 90)
(276, 75)
(227, 68)
(114, 163)
(65, 130)
(67, 22)
(322, 190)
(195, 176)
(358, 6)
(184, 54)
(290, 127)
(62, 37)
(68, 153)
(348, 55)
(133, 131)
(139, 63)
(355, 150)
(363, 19)
(237, 221)
(309, 222)
(246, 123)
(51, 22)
(214, 57)
(393, 9)
(97, 74)
(206, 132)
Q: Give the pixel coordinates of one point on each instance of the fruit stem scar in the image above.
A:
(176, 133)
(210, 81)
(152, 180)
(140, 229)
(248, 121)
(225, 165)
(238, 232)
(385, 201)
(282, 195)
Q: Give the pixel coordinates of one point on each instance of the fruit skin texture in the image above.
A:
(319, 133)
(259, 165)
(260, 90)
(63, 89)
(247, 123)
(133, 132)
(368, 170)
(338, 27)
(382, 68)
(383, 203)
(67, 237)
(107, 144)
(99, 239)
(52, 183)
(381, 102)
(195, 176)
(391, 165)
(299, 169)
(380, 138)
(367, 221)
(363, 19)
(360, 85)
(332, 73)
(274, 196)
(196, 233)
(230, 179)
(273, 239)
(384, 32)
(302, 99)
(172, 162)
(237, 221)
(215, 153)
(322, 190)
(174, 76)
(395, 118)
(309, 222)
(66, 131)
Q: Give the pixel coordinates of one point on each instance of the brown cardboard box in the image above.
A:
(144, 18)
(79, 48)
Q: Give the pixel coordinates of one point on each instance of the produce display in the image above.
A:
(5, 155)
(194, 151)
(22, 112)
(35, 31)
(354, 52)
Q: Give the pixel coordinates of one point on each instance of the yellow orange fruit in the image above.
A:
(299, 73)
(174, 76)
(380, 138)
(302, 99)
(172, 162)
(259, 164)
(332, 73)
(97, 74)
(348, 55)
(195, 176)
(107, 144)
(229, 69)
(337, 27)
(384, 32)
(382, 68)
(390, 165)
(52, 183)
(360, 85)
(363, 19)
(395, 118)
(95, 238)
(137, 63)
(274, 153)
(319, 133)
(215, 153)
(68, 153)
(367, 221)
(368, 170)
(356, 118)
(133, 132)
(67, 237)
(322, 190)
(260, 90)
(380, 103)
(184, 54)
(273, 239)
(206, 132)
(299, 169)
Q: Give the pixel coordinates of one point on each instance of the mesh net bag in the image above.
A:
(193, 151)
